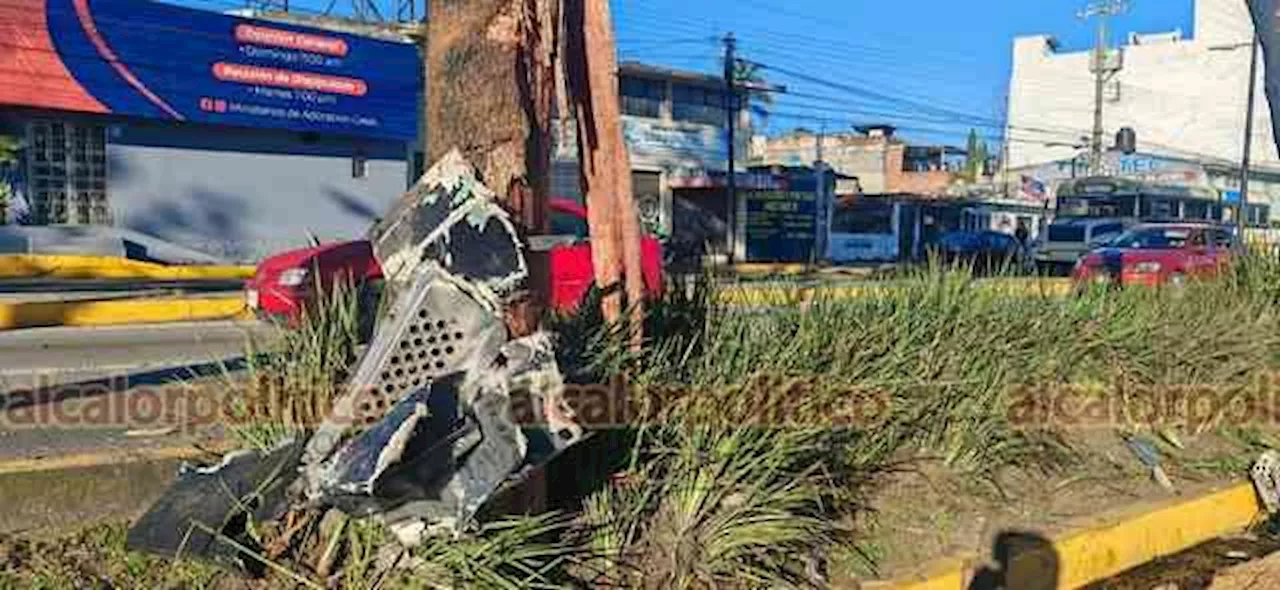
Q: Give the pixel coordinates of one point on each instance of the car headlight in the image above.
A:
(292, 277)
(1147, 267)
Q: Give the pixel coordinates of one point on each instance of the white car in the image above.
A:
(1068, 239)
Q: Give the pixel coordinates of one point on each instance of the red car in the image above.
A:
(1158, 254)
(284, 283)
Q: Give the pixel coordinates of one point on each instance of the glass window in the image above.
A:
(863, 218)
(68, 168)
(1257, 215)
(359, 165)
(696, 104)
(1104, 230)
(642, 97)
(1222, 238)
(565, 224)
(1195, 210)
(1158, 208)
(1154, 239)
(1066, 233)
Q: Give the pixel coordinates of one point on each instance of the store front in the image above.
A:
(232, 136)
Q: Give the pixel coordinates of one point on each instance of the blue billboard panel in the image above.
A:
(146, 59)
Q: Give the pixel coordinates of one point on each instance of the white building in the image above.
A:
(1184, 95)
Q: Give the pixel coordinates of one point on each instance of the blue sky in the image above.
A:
(947, 55)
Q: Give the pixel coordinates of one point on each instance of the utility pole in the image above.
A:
(1247, 150)
(731, 116)
(823, 198)
(1103, 10)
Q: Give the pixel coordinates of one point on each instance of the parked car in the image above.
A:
(1158, 254)
(284, 284)
(569, 260)
(987, 251)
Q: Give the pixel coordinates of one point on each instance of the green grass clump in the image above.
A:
(289, 383)
(940, 358)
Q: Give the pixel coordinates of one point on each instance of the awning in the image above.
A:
(702, 179)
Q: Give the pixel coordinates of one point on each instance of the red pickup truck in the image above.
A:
(283, 284)
(1158, 254)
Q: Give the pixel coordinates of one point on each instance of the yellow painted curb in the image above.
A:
(86, 460)
(767, 268)
(781, 296)
(1103, 551)
(27, 266)
(35, 314)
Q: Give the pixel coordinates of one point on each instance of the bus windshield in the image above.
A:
(1096, 206)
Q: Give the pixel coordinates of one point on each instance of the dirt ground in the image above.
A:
(1257, 575)
(930, 512)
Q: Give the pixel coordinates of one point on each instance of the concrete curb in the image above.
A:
(1112, 547)
(48, 495)
(38, 314)
(28, 266)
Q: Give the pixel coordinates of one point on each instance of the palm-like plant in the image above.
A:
(8, 149)
(748, 75)
(710, 507)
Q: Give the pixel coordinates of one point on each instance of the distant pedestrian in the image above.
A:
(1022, 234)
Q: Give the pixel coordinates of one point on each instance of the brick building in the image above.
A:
(882, 162)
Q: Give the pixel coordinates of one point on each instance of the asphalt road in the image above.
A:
(44, 357)
(55, 383)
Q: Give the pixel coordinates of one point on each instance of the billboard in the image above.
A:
(1265, 20)
(780, 225)
(152, 60)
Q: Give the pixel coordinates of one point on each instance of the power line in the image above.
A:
(663, 19)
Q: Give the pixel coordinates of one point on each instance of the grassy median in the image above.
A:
(757, 434)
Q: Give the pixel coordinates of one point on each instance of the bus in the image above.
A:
(1091, 211)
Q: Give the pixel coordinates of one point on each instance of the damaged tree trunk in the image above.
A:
(490, 76)
(591, 72)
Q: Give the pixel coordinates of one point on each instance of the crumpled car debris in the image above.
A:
(423, 435)
(219, 500)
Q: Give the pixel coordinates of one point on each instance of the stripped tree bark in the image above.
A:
(490, 78)
(591, 75)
